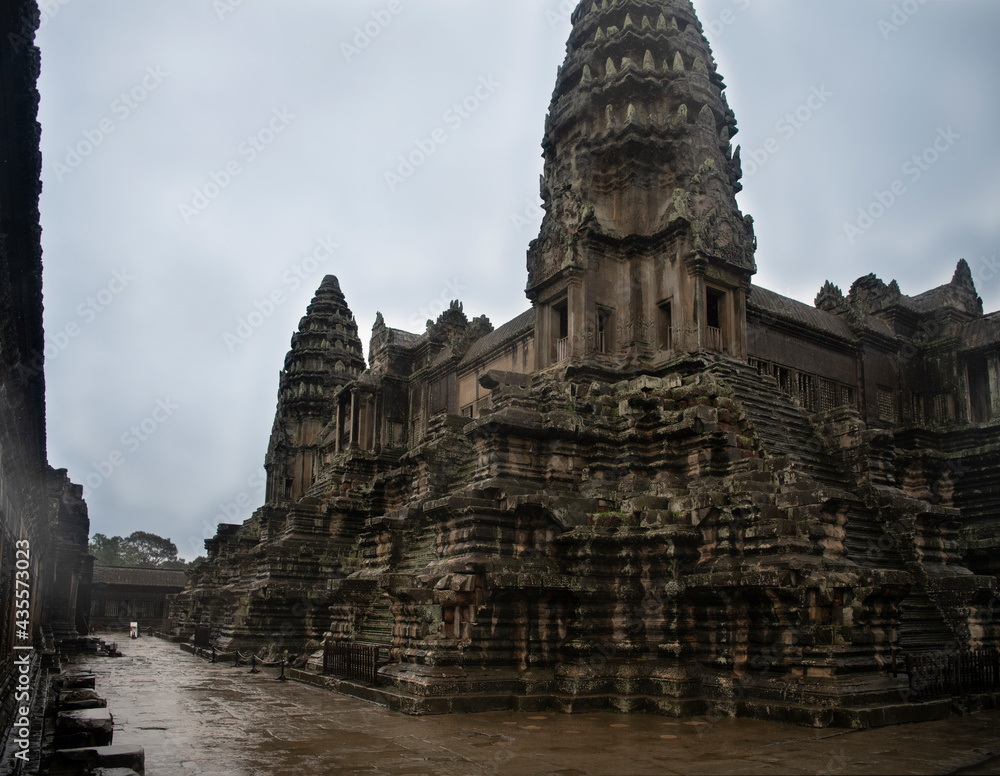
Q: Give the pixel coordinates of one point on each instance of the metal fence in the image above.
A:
(942, 674)
(351, 661)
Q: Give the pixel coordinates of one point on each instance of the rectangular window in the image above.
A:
(603, 334)
(886, 404)
(979, 390)
(848, 396)
(806, 391)
(714, 307)
(784, 378)
(666, 334)
(561, 313)
(440, 395)
(941, 408)
(827, 395)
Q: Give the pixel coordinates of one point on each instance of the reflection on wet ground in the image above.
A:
(193, 717)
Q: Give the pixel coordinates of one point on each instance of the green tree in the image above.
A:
(148, 549)
(140, 548)
(107, 552)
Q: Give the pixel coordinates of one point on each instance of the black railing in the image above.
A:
(203, 636)
(351, 661)
(941, 674)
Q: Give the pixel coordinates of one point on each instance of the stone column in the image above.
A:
(993, 367)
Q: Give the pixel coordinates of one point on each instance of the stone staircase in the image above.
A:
(376, 628)
(921, 626)
(420, 550)
(785, 430)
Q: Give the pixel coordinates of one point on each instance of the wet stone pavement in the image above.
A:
(193, 717)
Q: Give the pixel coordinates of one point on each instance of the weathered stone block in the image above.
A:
(75, 682)
(131, 759)
(87, 727)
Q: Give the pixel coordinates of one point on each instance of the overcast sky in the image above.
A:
(204, 159)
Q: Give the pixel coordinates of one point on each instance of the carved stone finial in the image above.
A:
(830, 298)
(963, 275)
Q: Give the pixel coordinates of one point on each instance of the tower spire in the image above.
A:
(639, 166)
(325, 354)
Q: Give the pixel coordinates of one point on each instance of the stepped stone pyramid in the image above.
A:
(661, 487)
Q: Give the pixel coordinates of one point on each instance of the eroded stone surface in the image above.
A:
(84, 728)
(120, 759)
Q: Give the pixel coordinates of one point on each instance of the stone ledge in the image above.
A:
(117, 760)
(84, 728)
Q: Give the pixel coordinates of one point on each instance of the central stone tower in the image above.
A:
(643, 253)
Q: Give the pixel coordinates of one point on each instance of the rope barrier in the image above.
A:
(260, 660)
(240, 658)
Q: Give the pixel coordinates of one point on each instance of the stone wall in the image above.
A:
(42, 513)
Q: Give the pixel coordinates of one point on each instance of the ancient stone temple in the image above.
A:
(661, 487)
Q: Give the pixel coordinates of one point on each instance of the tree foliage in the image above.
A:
(140, 549)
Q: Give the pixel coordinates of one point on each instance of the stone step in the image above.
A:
(419, 553)
(377, 626)
(921, 626)
(785, 430)
(84, 728)
(73, 700)
(118, 760)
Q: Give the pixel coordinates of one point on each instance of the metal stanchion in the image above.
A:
(282, 678)
(253, 664)
(237, 663)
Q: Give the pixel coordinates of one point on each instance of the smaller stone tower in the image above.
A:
(325, 354)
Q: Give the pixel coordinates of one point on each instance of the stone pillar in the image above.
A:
(576, 303)
(738, 342)
(700, 299)
(993, 367)
(354, 420)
